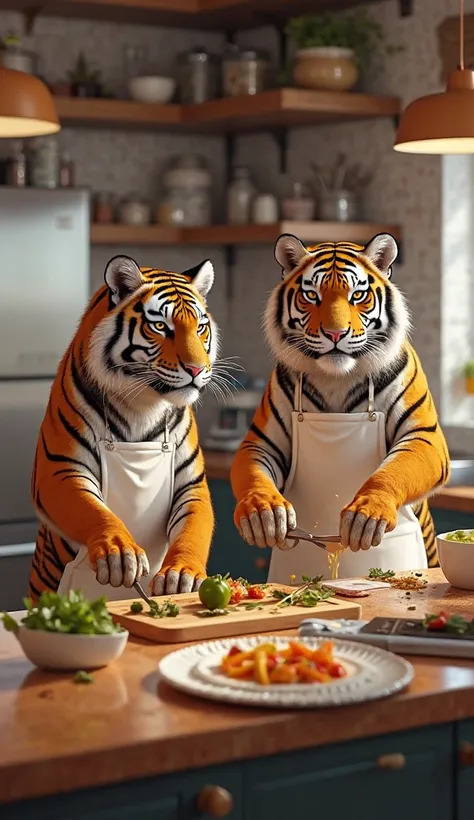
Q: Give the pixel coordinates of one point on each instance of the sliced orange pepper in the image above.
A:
(284, 673)
(301, 650)
(241, 672)
(261, 669)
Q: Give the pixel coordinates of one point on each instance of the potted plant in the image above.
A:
(333, 49)
(468, 372)
(85, 81)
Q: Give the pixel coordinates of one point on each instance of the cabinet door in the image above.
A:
(447, 520)
(464, 752)
(405, 776)
(230, 553)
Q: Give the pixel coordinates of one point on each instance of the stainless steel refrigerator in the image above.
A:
(44, 288)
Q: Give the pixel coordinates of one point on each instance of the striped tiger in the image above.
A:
(347, 288)
(142, 355)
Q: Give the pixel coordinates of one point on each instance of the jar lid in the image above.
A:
(250, 54)
(198, 55)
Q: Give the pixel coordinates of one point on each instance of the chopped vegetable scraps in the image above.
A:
(296, 664)
(311, 593)
(71, 613)
(444, 622)
(412, 581)
(83, 677)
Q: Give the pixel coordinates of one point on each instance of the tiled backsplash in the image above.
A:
(406, 189)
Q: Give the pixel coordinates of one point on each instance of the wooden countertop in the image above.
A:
(59, 736)
(460, 499)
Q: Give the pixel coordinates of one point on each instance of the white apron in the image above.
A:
(333, 456)
(138, 486)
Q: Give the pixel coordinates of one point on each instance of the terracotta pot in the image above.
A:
(326, 68)
(470, 384)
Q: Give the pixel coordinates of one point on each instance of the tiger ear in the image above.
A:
(122, 277)
(382, 251)
(201, 277)
(288, 252)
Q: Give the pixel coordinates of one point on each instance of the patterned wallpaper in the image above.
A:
(405, 190)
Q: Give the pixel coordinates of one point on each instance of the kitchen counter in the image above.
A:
(59, 736)
(459, 499)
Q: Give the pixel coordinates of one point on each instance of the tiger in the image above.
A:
(142, 355)
(348, 288)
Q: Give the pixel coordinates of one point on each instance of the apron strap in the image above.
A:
(371, 404)
(167, 431)
(299, 396)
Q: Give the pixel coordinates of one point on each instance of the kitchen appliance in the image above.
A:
(44, 288)
(235, 418)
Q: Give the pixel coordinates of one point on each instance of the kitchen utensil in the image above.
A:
(152, 89)
(189, 626)
(402, 635)
(372, 673)
(137, 585)
(318, 540)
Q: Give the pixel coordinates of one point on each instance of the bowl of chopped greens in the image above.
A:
(68, 632)
(456, 557)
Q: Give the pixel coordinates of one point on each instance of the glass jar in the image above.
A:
(245, 71)
(134, 210)
(299, 207)
(66, 171)
(187, 193)
(339, 206)
(44, 168)
(265, 209)
(103, 209)
(17, 166)
(198, 76)
(240, 195)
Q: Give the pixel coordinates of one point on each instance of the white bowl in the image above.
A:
(152, 89)
(59, 650)
(457, 561)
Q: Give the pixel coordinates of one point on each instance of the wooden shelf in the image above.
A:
(277, 108)
(203, 14)
(116, 234)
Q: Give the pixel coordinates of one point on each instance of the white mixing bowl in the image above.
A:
(152, 89)
(60, 650)
(457, 561)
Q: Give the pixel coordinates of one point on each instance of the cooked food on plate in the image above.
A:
(297, 663)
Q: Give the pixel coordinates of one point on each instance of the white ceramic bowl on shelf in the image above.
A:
(59, 650)
(457, 560)
(152, 89)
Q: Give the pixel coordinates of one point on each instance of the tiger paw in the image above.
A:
(177, 577)
(365, 521)
(264, 518)
(117, 559)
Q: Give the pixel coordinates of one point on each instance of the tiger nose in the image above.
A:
(336, 335)
(194, 370)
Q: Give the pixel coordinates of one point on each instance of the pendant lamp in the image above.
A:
(442, 123)
(26, 106)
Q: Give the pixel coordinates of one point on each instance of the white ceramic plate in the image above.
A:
(373, 673)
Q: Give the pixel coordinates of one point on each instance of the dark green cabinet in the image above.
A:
(464, 761)
(447, 520)
(410, 775)
(230, 553)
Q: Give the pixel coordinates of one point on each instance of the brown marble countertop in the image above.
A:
(460, 499)
(58, 736)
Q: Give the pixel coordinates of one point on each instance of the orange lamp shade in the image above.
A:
(440, 123)
(26, 106)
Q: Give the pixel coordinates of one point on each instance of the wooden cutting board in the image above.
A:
(189, 626)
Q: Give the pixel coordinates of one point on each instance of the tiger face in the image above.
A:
(336, 307)
(158, 336)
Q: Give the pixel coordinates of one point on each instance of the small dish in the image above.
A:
(456, 559)
(62, 650)
(152, 89)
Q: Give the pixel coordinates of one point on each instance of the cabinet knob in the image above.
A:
(215, 801)
(393, 761)
(466, 754)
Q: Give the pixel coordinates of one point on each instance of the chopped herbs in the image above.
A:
(83, 677)
(166, 610)
(443, 622)
(308, 595)
(212, 613)
(377, 574)
(136, 607)
(71, 613)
